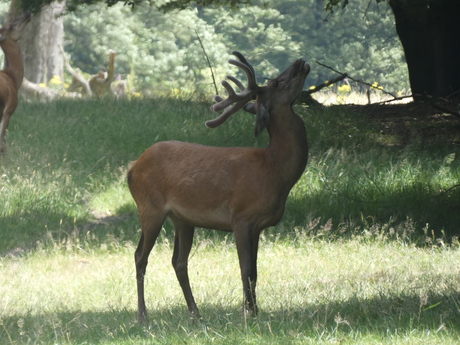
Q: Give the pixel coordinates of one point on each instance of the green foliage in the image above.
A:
(361, 41)
(332, 5)
(3, 11)
(258, 32)
(161, 50)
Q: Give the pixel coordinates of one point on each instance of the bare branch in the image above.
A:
(356, 80)
(326, 84)
(208, 61)
(77, 77)
(44, 92)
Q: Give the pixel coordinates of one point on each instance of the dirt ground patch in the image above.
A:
(403, 124)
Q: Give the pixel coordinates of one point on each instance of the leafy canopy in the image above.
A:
(160, 51)
(168, 5)
(72, 5)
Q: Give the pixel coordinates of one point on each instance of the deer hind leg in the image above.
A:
(151, 226)
(183, 240)
(247, 245)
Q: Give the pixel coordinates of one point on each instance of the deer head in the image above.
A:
(13, 30)
(280, 92)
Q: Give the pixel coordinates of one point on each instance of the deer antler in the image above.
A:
(235, 101)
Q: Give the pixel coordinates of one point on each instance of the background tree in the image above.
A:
(154, 50)
(157, 50)
(41, 39)
(428, 30)
(161, 50)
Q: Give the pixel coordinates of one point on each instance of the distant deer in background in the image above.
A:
(237, 189)
(13, 73)
(101, 82)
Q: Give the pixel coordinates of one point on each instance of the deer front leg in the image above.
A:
(247, 245)
(183, 240)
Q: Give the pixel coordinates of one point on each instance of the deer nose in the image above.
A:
(302, 61)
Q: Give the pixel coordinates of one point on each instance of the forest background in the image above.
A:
(161, 52)
(367, 251)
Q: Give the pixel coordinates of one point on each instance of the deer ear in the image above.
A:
(262, 118)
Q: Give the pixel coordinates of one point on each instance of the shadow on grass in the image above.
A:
(22, 234)
(408, 215)
(414, 210)
(378, 317)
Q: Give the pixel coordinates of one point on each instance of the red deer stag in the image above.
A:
(237, 189)
(10, 77)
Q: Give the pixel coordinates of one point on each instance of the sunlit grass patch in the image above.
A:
(113, 197)
(311, 291)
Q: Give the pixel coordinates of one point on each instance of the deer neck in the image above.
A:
(288, 144)
(13, 61)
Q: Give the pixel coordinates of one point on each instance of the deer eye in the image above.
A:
(276, 83)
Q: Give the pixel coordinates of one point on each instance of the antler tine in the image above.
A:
(243, 60)
(248, 70)
(232, 96)
(237, 82)
(232, 104)
(235, 101)
(226, 114)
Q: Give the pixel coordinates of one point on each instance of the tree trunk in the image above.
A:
(40, 42)
(429, 32)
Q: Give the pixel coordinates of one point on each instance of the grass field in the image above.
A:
(310, 292)
(366, 252)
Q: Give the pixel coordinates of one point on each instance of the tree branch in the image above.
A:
(209, 62)
(356, 80)
(44, 92)
(326, 84)
(77, 77)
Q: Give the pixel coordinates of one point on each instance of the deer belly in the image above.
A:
(214, 217)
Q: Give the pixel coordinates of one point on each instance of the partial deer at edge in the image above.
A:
(13, 73)
(237, 189)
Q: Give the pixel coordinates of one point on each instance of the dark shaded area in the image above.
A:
(425, 131)
(415, 123)
(428, 32)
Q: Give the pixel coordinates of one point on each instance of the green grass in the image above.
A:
(365, 254)
(67, 162)
(310, 292)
